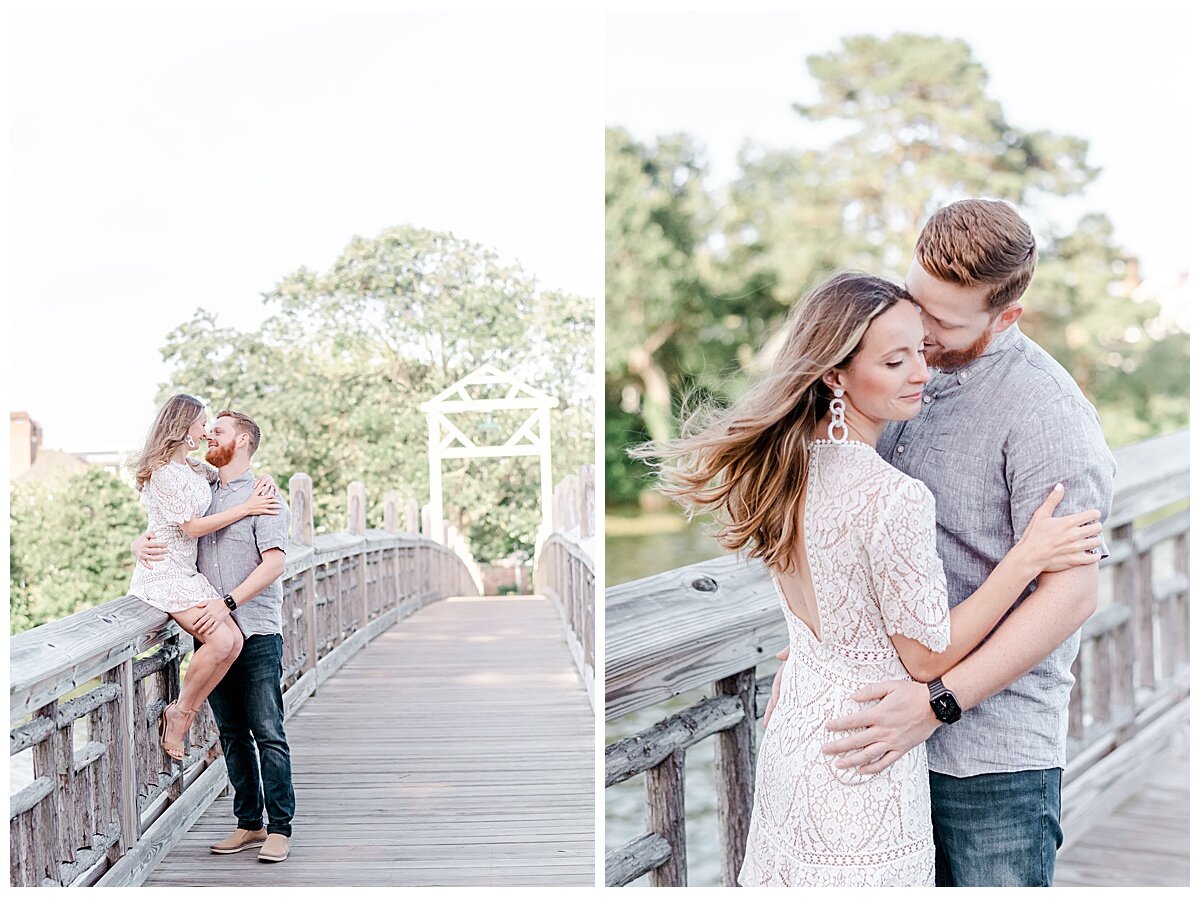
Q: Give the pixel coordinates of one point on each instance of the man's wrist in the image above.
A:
(943, 703)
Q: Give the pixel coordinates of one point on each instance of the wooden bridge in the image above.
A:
(1125, 791)
(438, 737)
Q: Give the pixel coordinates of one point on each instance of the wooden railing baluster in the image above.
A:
(712, 623)
(83, 819)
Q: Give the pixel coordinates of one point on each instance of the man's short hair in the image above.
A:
(980, 242)
(243, 424)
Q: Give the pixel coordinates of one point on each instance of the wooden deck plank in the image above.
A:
(455, 749)
(1145, 841)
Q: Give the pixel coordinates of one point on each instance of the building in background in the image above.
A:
(31, 461)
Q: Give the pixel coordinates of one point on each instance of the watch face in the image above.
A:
(945, 708)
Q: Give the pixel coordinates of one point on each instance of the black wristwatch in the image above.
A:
(944, 704)
(232, 605)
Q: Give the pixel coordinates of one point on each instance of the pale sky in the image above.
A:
(1123, 81)
(162, 162)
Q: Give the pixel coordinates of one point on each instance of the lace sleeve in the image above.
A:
(166, 492)
(206, 470)
(909, 581)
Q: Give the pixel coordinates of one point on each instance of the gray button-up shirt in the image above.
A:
(991, 440)
(229, 555)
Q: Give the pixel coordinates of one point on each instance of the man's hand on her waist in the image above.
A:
(775, 685)
(147, 549)
(899, 722)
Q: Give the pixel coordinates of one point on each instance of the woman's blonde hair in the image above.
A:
(748, 464)
(170, 427)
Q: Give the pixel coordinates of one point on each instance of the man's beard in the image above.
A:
(218, 456)
(950, 359)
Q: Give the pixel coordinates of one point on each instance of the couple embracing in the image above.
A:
(917, 729)
(213, 558)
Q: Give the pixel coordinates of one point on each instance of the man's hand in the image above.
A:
(147, 550)
(265, 485)
(782, 655)
(898, 723)
(213, 614)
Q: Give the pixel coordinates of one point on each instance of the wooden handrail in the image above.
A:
(712, 623)
(565, 572)
(85, 695)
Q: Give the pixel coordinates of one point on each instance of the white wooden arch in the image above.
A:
(530, 438)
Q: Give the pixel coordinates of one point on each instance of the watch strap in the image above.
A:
(230, 603)
(937, 689)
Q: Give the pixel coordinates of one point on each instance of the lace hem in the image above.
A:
(770, 864)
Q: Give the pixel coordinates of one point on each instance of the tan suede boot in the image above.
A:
(240, 840)
(275, 848)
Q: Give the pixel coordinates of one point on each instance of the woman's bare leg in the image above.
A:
(210, 662)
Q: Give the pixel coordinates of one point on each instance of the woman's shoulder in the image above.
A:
(172, 474)
(894, 487)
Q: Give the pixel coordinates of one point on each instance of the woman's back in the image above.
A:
(869, 543)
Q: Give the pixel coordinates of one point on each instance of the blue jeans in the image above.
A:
(248, 707)
(999, 829)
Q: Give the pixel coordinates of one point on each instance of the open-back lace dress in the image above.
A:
(174, 495)
(870, 539)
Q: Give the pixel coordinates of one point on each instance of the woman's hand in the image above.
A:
(265, 485)
(257, 505)
(1051, 543)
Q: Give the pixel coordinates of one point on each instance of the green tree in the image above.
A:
(69, 545)
(336, 374)
(917, 129)
(654, 213)
(910, 126)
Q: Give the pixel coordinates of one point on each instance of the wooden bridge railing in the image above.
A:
(87, 692)
(565, 572)
(711, 624)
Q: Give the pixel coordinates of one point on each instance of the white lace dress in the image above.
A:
(870, 538)
(173, 496)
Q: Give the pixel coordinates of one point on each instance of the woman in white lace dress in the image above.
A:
(176, 492)
(792, 475)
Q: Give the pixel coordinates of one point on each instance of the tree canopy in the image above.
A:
(334, 378)
(699, 277)
(335, 375)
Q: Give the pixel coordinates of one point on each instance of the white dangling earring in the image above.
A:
(837, 408)
(189, 440)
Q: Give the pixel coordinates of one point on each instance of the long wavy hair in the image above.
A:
(166, 433)
(748, 464)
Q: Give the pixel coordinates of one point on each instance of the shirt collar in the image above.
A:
(238, 482)
(1000, 344)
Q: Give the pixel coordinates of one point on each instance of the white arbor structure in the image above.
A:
(477, 393)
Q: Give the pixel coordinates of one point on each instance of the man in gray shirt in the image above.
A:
(1001, 423)
(245, 562)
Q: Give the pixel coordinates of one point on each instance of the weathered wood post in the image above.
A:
(126, 784)
(1120, 646)
(427, 558)
(391, 506)
(391, 522)
(587, 502)
(356, 524)
(300, 494)
(1182, 598)
(664, 816)
(734, 753)
(410, 568)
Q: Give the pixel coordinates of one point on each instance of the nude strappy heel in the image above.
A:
(174, 750)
